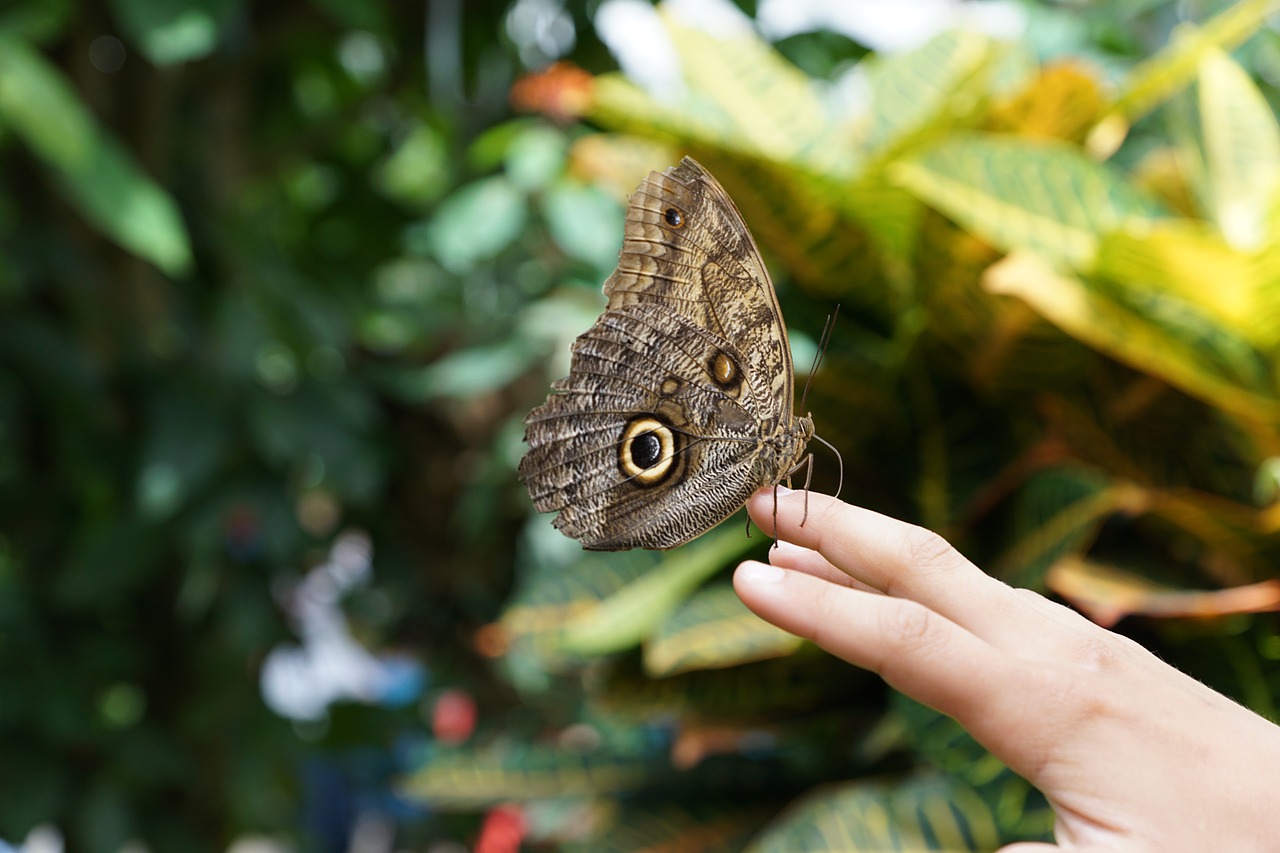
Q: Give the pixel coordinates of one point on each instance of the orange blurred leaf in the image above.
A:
(562, 91)
(1107, 594)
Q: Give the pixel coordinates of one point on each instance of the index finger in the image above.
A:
(897, 558)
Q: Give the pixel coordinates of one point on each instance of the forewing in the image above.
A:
(686, 247)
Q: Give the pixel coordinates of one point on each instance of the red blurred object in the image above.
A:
(503, 830)
(453, 718)
(562, 92)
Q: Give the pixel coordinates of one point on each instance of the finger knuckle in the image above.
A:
(1099, 652)
(828, 616)
(922, 553)
(909, 627)
(925, 549)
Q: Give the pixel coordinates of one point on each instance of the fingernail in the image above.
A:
(783, 490)
(753, 572)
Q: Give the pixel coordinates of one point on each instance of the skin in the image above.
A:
(1132, 754)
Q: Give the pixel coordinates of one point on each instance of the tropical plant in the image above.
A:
(272, 273)
(1056, 346)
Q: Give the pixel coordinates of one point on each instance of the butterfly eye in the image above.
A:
(674, 218)
(646, 453)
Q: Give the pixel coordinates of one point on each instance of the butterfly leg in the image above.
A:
(808, 478)
(775, 511)
(807, 464)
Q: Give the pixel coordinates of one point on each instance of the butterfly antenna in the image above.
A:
(823, 341)
(839, 458)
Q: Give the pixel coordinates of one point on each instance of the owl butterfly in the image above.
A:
(678, 402)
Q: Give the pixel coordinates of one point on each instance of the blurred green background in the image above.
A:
(278, 282)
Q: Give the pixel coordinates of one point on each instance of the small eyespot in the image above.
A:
(723, 370)
(674, 218)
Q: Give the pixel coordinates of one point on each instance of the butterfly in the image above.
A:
(678, 405)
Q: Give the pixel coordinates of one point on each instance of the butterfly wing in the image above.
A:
(639, 446)
(687, 247)
(678, 402)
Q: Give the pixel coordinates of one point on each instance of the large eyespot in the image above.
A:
(646, 451)
(674, 217)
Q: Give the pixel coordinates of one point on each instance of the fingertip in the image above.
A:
(755, 573)
(760, 506)
(784, 553)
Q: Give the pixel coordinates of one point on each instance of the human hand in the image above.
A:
(1132, 754)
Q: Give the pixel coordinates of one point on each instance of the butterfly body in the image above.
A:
(678, 403)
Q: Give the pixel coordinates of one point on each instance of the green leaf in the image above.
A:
(37, 20)
(1242, 153)
(767, 105)
(469, 372)
(743, 97)
(635, 611)
(922, 813)
(621, 105)
(701, 825)
(714, 629)
(476, 223)
(511, 770)
(781, 687)
(535, 156)
(173, 31)
(1020, 194)
(559, 580)
(99, 177)
(585, 222)
(889, 214)
(1056, 512)
(187, 439)
(933, 86)
(1176, 65)
(417, 171)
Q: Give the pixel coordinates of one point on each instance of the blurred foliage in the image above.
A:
(270, 272)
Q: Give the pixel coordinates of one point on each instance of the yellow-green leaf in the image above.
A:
(1175, 66)
(466, 778)
(1020, 194)
(1242, 152)
(621, 105)
(714, 629)
(1156, 335)
(633, 612)
(1180, 257)
(922, 813)
(771, 106)
(935, 84)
